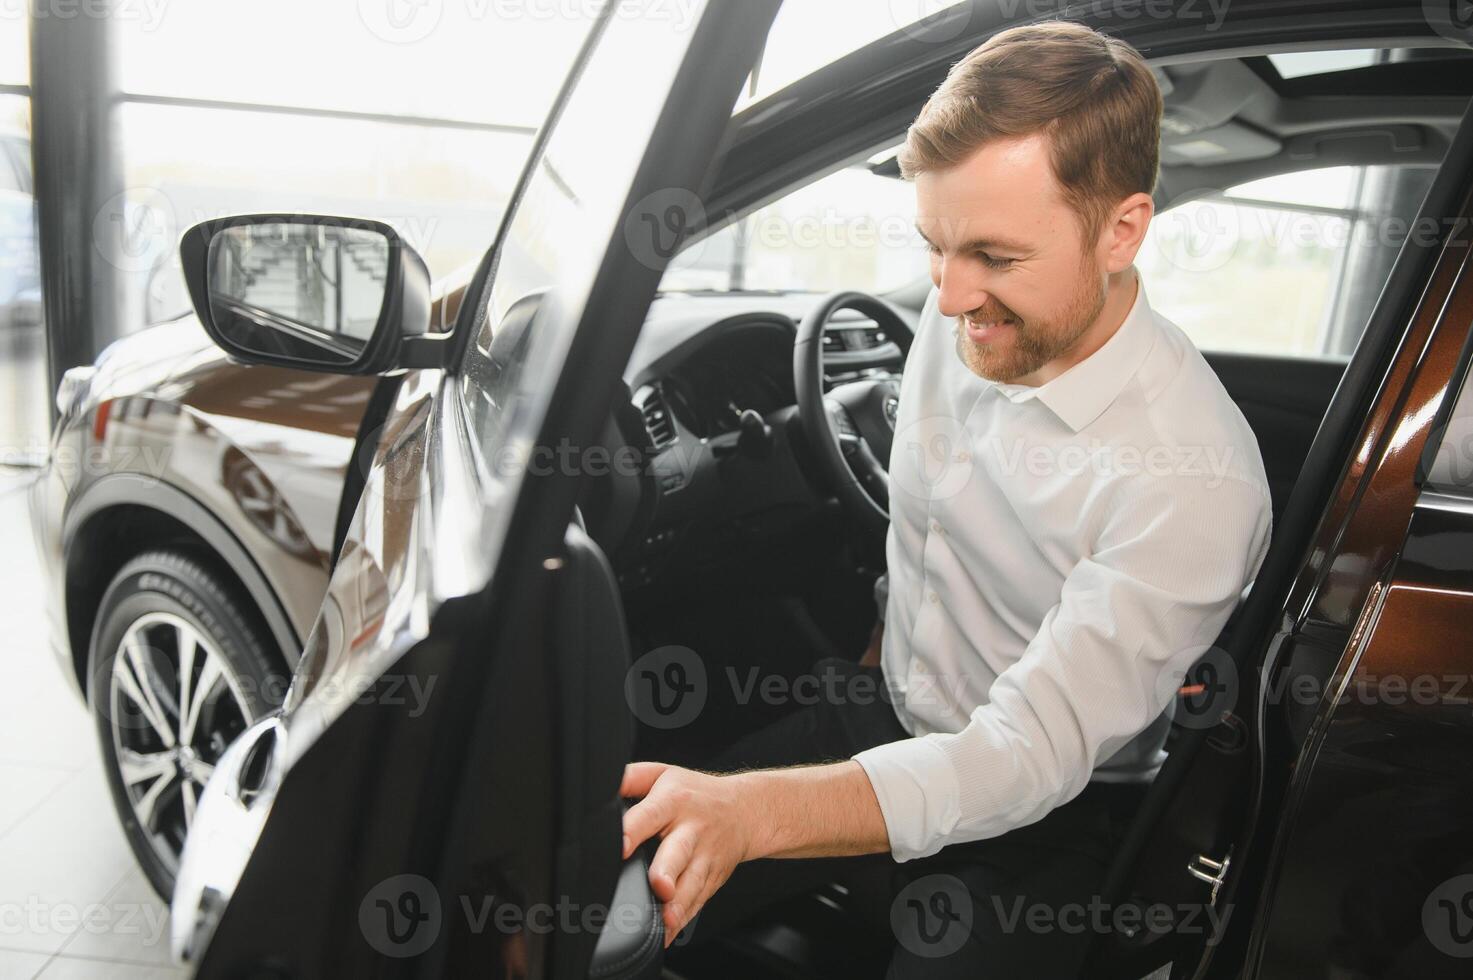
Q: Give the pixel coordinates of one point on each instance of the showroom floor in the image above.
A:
(72, 901)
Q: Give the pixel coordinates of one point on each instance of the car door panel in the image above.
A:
(591, 657)
(1365, 878)
(414, 811)
(1378, 870)
(1227, 793)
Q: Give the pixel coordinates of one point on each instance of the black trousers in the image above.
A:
(1019, 905)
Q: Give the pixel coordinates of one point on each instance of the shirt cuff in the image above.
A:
(919, 797)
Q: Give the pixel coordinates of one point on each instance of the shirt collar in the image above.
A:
(1080, 394)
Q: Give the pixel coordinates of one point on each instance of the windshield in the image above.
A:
(854, 229)
(809, 34)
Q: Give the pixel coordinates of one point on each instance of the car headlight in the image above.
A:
(73, 388)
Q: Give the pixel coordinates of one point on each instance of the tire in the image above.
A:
(156, 605)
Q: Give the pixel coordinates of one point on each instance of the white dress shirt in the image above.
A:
(1059, 556)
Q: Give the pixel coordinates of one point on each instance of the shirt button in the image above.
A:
(936, 526)
(934, 598)
(963, 456)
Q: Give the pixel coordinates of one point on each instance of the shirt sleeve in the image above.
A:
(1170, 562)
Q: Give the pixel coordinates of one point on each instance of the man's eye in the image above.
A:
(993, 262)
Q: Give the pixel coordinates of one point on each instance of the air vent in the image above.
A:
(861, 335)
(657, 419)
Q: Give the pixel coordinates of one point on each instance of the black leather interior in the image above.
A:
(631, 944)
(1284, 399)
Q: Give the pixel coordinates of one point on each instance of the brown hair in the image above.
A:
(1092, 95)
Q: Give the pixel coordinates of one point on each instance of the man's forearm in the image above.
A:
(708, 824)
(815, 811)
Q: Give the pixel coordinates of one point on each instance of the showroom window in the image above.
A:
(421, 117)
(24, 403)
(1286, 265)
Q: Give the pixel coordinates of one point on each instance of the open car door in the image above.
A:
(1285, 761)
(439, 795)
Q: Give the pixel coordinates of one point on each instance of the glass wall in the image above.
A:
(417, 114)
(1286, 265)
(24, 409)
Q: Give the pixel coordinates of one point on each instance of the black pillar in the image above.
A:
(78, 184)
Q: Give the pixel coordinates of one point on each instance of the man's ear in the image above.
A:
(1125, 230)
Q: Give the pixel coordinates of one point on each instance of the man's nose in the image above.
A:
(961, 291)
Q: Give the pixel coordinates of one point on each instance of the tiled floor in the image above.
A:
(72, 901)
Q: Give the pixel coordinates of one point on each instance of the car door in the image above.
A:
(439, 795)
(1371, 871)
(1243, 843)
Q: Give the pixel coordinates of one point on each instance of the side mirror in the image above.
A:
(317, 293)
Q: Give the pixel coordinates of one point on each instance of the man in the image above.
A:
(1077, 506)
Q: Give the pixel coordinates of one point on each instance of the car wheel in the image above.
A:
(178, 668)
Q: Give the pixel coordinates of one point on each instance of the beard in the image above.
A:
(1030, 344)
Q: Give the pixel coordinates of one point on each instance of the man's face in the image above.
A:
(1008, 256)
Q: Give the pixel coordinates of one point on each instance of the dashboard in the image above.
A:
(749, 369)
(712, 402)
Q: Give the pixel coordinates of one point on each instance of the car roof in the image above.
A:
(1404, 112)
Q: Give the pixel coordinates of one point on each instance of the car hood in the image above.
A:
(263, 449)
(141, 362)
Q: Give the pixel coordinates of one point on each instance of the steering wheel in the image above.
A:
(850, 429)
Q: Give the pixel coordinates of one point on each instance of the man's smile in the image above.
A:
(987, 331)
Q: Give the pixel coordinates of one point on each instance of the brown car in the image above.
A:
(368, 508)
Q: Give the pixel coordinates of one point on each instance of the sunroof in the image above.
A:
(1300, 64)
(1297, 64)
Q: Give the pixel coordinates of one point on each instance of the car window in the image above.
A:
(1448, 459)
(1286, 265)
(9, 178)
(555, 240)
(807, 37)
(853, 229)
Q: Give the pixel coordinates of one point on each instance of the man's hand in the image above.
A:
(709, 824)
(706, 834)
